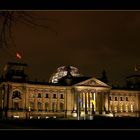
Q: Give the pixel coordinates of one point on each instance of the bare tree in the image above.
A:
(9, 19)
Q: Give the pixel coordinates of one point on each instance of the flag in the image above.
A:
(18, 55)
(79, 100)
(94, 103)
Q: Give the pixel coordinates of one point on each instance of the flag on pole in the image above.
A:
(79, 100)
(18, 55)
(94, 103)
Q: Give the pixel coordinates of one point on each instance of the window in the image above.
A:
(61, 96)
(39, 95)
(110, 98)
(46, 106)
(16, 105)
(54, 95)
(126, 108)
(32, 105)
(121, 108)
(54, 106)
(47, 95)
(31, 95)
(115, 109)
(16, 94)
(121, 98)
(126, 98)
(132, 108)
(61, 106)
(116, 99)
(39, 106)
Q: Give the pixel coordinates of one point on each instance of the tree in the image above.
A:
(9, 19)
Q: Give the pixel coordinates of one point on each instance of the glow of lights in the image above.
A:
(16, 116)
(115, 109)
(62, 71)
(29, 108)
(131, 108)
(94, 103)
(18, 55)
(126, 108)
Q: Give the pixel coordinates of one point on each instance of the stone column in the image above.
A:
(69, 106)
(97, 103)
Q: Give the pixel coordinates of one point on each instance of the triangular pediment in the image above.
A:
(93, 82)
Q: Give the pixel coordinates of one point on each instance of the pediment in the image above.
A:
(93, 82)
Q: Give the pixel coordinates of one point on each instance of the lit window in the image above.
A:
(54, 106)
(46, 106)
(39, 106)
(115, 109)
(132, 108)
(61, 106)
(121, 109)
(126, 108)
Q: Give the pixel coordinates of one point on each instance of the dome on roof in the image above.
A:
(62, 71)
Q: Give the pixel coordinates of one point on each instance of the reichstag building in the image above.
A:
(67, 94)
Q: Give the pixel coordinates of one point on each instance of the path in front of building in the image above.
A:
(96, 123)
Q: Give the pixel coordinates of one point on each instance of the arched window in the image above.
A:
(61, 96)
(126, 98)
(47, 95)
(121, 98)
(39, 106)
(16, 94)
(47, 106)
(61, 106)
(116, 99)
(39, 95)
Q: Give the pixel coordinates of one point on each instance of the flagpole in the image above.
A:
(78, 111)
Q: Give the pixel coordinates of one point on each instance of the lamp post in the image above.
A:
(78, 106)
(29, 111)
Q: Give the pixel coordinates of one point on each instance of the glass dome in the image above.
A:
(62, 71)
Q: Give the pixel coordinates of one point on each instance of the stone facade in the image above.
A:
(70, 97)
(124, 102)
(25, 100)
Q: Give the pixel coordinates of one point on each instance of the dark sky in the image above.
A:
(89, 40)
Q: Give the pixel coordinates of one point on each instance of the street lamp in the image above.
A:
(29, 111)
(78, 106)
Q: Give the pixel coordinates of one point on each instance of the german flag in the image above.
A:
(18, 55)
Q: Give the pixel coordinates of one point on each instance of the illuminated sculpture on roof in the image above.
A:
(62, 71)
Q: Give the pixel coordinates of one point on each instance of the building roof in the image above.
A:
(69, 81)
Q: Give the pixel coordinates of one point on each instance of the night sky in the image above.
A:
(89, 40)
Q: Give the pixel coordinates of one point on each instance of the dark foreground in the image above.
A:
(55, 124)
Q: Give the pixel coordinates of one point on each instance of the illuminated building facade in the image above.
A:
(67, 94)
